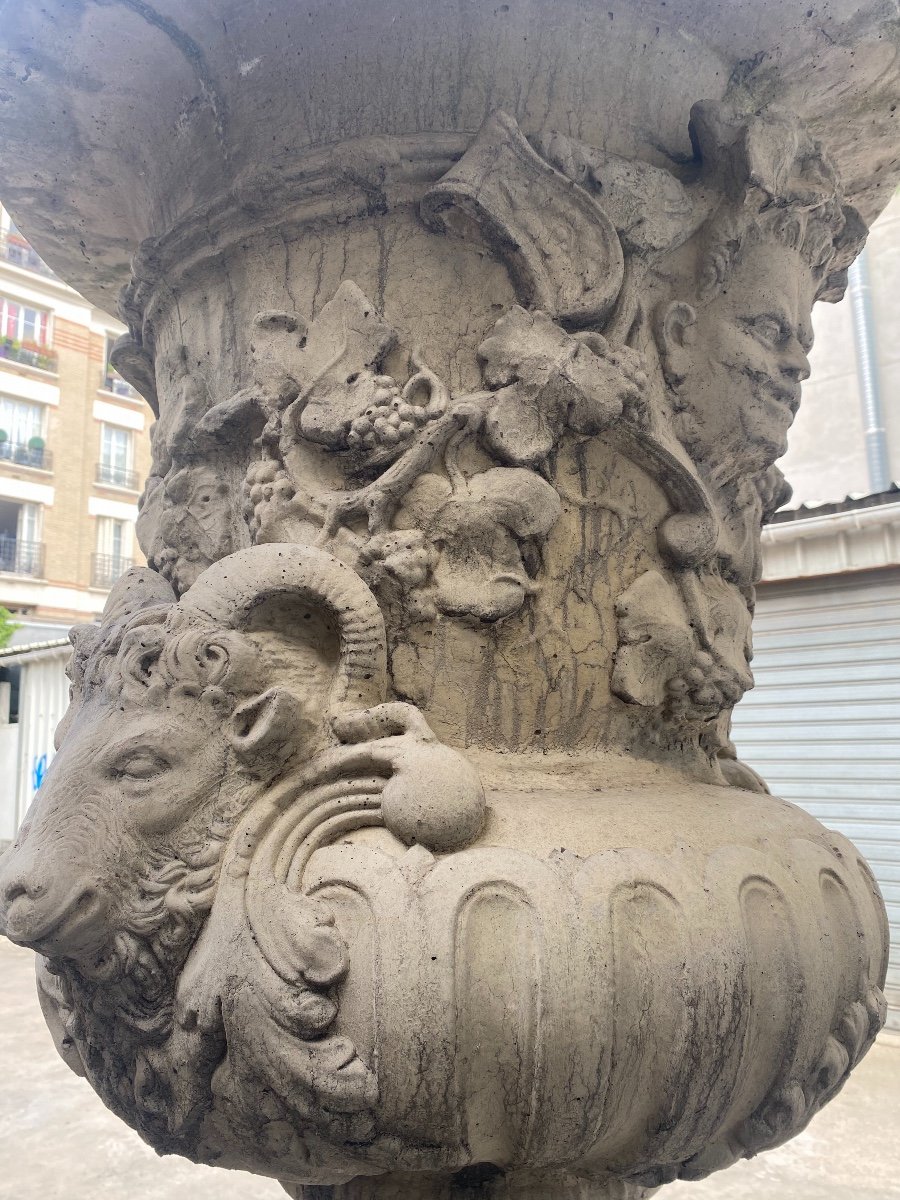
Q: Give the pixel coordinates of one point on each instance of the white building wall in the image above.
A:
(9, 760)
(884, 272)
(826, 458)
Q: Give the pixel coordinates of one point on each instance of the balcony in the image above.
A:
(112, 476)
(31, 354)
(111, 381)
(107, 568)
(25, 454)
(16, 250)
(21, 558)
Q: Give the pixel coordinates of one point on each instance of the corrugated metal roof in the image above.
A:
(29, 630)
(850, 503)
(12, 652)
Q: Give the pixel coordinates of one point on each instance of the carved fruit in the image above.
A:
(434, 799)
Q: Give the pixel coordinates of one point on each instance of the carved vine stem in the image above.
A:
(379, 500)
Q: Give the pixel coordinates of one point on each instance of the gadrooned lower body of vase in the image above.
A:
(637, 982)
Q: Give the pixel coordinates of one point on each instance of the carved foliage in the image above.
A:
(625, 332)
(560, 246)
(684, 645)
(462, 545)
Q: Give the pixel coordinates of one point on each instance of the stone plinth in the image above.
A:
(396, 845)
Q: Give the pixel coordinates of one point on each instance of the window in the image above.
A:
(18, 250)
(22, 432)
(20, 538)
(116, 455)
(113, 537)
(20, 419)
(111, 380)
(22, 323)
(113, 557)
(30, 523)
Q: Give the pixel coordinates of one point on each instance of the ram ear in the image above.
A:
(269, 729)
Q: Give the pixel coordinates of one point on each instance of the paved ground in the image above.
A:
(58, 1142)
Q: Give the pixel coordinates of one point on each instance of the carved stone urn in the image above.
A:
(395, 845)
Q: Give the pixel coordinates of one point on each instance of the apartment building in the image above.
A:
(74, 446)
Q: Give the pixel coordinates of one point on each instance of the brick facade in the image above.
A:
(66, 576)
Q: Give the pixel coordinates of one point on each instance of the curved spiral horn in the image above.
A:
(228, 592)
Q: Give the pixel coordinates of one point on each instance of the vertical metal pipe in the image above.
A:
(867, 374)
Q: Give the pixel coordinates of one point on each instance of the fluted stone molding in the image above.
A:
(395, 845)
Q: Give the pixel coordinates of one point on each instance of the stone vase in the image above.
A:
(395, 845)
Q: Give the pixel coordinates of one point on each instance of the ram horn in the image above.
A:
(228, 592)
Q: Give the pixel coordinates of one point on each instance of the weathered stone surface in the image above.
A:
(395, 845)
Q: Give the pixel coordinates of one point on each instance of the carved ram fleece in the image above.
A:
(395, 845)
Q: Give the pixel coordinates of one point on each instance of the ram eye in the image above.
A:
(142, 764)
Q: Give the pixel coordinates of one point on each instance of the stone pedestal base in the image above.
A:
(482, 1182)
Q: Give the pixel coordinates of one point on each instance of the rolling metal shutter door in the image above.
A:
(44, 697)
(822, 725)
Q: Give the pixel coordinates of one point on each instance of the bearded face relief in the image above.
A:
(196, 524)
(737, 361)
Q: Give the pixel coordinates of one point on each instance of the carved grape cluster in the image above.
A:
(401, 558)
(404, 553)
(266, 480)
(389, 421)
(703, 689)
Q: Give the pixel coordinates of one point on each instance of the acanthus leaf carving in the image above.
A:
(561, 247)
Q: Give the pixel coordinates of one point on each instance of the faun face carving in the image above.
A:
(736, 363)
(196, 517)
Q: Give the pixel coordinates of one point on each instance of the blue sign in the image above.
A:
(38, 771)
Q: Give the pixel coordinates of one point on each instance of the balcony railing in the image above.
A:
(32, 354)
(111, 382)
(107, 568)
(114, 476)
(16, 250)
(21, 558)
(22, 454)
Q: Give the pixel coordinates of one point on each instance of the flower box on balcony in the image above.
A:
(30, 354)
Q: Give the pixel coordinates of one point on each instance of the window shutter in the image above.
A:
(11, 315)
